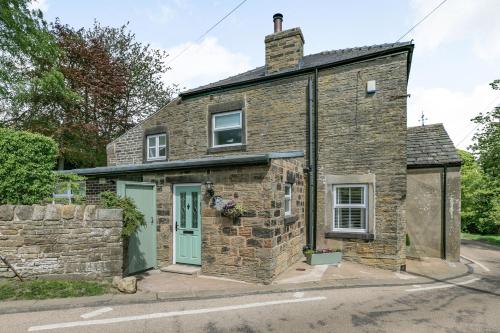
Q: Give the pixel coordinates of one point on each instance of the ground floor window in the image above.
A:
(350, 203)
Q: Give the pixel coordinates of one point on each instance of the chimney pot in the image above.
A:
(278, 22)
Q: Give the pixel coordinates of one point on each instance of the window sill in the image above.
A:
(349, 235)
(291, 219)
(228, 148)
(156, 160)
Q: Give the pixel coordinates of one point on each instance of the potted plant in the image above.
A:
(232, 209)
(323, 257)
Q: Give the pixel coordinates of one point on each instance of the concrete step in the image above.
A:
(182, 269)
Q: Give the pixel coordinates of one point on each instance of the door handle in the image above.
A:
(175, 225)
(152, 220)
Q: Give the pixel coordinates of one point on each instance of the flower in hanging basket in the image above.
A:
(232, 209)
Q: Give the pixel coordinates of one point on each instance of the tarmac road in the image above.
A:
(466, 304)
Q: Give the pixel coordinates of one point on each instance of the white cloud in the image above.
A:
(454, 109)
(457, 20)
(43, 5)
(203, 62)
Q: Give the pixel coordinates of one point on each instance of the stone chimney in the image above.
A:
(284, 49)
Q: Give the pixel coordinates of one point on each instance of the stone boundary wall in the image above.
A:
(61, 241)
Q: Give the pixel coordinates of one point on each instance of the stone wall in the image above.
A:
(255, 247)
(61, 240)
(284, 50)
(365, 134)
(275, 115)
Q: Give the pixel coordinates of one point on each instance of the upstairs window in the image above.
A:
(350, 208)
(156, 147)
(288, 199)
(227, 129)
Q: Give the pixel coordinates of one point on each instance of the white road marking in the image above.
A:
(169, 314)
(445, 286)
(298, 294)
(404, 276)
(486, 269)
(96, 313)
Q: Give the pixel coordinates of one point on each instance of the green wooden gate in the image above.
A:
(141, 245)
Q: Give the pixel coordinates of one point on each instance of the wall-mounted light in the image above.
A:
(210, 188)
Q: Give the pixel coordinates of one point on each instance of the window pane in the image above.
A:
(151, 141)
(183, 209)
(357, 195)
(227, 137)
(342, 195)
(342, 217)
(287, 189)
(287, 206)
(227, 120)
(152, 152)
(163, 140)
(194, 200)
(358, 220)
(163, 152)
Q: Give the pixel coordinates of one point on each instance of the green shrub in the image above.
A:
(132, 217)
(27, 161)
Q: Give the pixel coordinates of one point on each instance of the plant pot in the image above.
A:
(331, 258)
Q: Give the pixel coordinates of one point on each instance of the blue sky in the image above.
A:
(457, 49)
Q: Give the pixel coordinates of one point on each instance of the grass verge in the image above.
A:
(492, 239)
(43, 289)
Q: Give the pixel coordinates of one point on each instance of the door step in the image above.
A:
(182, 269)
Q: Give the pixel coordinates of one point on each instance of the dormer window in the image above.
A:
(227, 129)
(156, 147)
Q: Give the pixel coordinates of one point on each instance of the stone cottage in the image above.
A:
(312, 146)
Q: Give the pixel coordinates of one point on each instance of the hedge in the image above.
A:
(27, 162)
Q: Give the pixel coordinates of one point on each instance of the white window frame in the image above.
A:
(240, 126)
(364, 205)
(157, 147)
(288, 198)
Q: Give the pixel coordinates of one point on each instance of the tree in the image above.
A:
(480, 198)
(487, 141)
(119, 81)
(103, 82)
(28, 61)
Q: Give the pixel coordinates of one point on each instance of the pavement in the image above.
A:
(465, 303)
(158, 286)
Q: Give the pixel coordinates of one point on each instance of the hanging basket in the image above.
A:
(228, 208)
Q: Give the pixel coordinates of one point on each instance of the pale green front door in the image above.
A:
(142, 244)
(188, 224)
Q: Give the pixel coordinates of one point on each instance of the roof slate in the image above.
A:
(308, 61)
(430, 145)
(210, 161)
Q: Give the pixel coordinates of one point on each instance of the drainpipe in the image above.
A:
(310, 227)
(315, 156)
(443, 211)
(312, 121)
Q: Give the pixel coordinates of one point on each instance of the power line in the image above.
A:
(477, 126)
(207, 32)
(422, 20)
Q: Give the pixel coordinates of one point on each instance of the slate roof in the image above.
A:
(211, 161)
(429, 146)
(308, 62)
